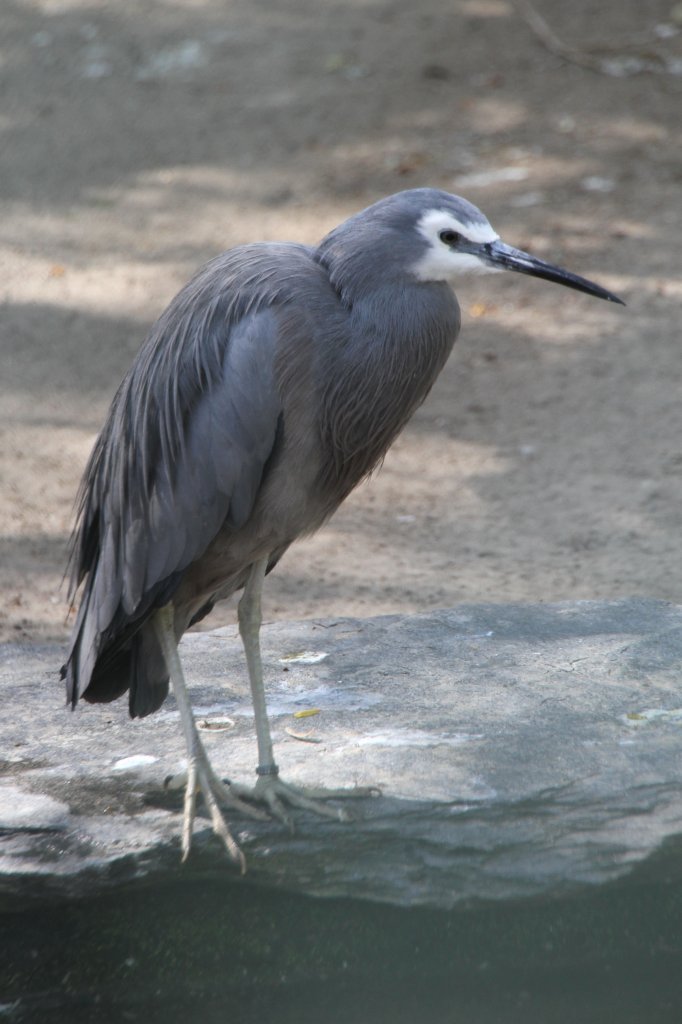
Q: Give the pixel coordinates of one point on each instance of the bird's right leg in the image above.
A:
(200, 773)
(269, 788)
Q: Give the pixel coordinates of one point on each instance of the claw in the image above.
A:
(220, 826)
(201, 778)
(275, 794)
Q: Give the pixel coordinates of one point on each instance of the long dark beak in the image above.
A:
(497, 254)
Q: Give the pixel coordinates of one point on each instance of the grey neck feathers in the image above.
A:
(399, 340)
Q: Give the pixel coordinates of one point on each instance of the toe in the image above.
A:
(277, 809)
(297, 799)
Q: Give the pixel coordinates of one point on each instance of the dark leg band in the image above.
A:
(267, 769)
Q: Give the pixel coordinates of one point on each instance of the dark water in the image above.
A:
(213, 952)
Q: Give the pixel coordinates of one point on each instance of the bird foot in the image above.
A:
(277, 795)
(200, 777)
(269, 790)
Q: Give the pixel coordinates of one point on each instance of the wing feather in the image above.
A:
(184, 448)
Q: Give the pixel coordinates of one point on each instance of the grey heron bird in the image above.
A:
(273, 383)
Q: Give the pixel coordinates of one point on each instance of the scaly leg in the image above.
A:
(200, 773)
(269, 788)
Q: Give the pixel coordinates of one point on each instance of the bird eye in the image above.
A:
(449, 237)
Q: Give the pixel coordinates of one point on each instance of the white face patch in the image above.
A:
(439, 262)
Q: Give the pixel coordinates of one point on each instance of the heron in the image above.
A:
(273, 383)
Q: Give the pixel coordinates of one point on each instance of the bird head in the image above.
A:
(458, 239)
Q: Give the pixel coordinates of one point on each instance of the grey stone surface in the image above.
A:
(521, 750)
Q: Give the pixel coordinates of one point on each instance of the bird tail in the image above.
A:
(148, 673)
(137, 665)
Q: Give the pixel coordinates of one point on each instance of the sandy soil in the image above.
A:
(137, 140)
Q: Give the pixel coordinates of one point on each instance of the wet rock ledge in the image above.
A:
(522, 750)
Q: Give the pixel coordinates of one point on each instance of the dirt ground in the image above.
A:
(137, 140)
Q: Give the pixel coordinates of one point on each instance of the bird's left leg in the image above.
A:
(200, 773)
(269, 788)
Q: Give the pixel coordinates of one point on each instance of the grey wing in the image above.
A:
(215, 473)
(184, 450)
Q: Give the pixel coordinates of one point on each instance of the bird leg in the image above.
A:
(200, 773)
(269, 788)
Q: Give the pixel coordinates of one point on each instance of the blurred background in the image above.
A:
(138, 140)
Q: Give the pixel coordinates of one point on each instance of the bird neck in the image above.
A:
(397, 342)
